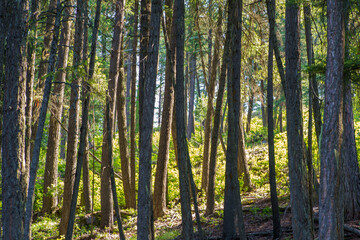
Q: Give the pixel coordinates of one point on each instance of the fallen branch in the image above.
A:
(352, 229)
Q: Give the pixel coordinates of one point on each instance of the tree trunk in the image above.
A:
(13, 136)
(210, 113)
(128, 86)
(43, 66)
(106, 194)
(167, 116)
(86, 194)
(250, 109)
(145, 8)
(312, 180)
(56, 108)
(113, 184)
(210, 203)
(331, 207)
(233, 219)
(270, 105)
(30, 76)
(263, 103)
(123, 142)
(192, 69)
(299, 195)
(42, 116)
(133, 104)
(145, 211)
(3, 35)
(182, 148)
(348, 148)
(73, 127)
(243, 168)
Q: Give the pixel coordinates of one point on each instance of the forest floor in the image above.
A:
(257, 218)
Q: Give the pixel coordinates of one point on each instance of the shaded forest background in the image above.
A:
(198, 119)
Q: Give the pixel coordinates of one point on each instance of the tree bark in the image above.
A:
(30, 77)
(122, 128)
(348, 148)
(312, 180)
(210, 113)
(299, 195)
(145, 210)
(86, 194)
(233, 219)
(133, 104)
(166, 121)
(56, 108)
(73, 127)
(243, 168)
(43, 66)
(270, 105)
(192, 69)
(182, 148)
(13, 135)
(250, 108)
(263, 104)
(210, 199)
(331, 207)
(40, 127)
(106, 194)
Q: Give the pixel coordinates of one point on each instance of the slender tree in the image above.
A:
(43, 66)
(56, 109)
(30, 76)
(210, 199)
(210, 113)
(40, 127)
(182, 148)
(270, 105)
(145, 211)
(191, 121)
(133, 104)
(167, 114)
(73, 127)
(233, 219)
(106, 195)
(299, 196)
(123, 142)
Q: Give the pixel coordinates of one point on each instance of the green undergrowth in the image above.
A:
(46, 227)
